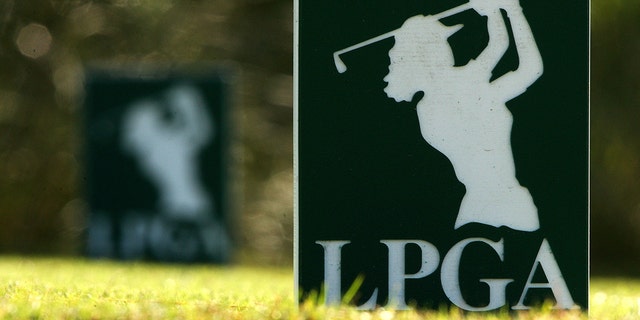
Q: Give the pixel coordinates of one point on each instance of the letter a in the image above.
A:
(556, 283)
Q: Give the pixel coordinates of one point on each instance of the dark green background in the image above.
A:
(366, 174)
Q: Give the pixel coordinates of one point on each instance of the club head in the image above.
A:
(340, 66)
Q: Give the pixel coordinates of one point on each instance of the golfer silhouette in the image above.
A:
(462, 113)
(167, 145)
(166, 135)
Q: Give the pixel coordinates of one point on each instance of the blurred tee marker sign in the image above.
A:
(492, 210)
(157, 149)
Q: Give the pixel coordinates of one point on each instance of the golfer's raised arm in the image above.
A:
(530, 66)
(498, 36)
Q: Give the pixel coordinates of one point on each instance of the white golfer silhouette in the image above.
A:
(166, 135)
(166, 146)
(463, 113)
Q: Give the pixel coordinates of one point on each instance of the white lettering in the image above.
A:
(332, 277)
(449, 275)
(397, 275)
(451, 282)
(556, 283)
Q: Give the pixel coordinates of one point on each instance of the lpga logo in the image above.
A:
(463, 112)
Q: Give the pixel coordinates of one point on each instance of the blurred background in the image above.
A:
(45, 46)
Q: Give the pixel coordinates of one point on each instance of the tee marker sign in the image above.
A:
(444, 161)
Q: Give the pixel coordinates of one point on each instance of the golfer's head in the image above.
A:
(420, 57)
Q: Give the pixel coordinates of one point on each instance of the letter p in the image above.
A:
(397, 276)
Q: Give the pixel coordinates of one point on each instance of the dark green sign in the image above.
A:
(156, 146)
(442, 152)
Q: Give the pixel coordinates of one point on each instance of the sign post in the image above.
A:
(442, 153)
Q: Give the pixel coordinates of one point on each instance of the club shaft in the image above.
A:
(437, 16)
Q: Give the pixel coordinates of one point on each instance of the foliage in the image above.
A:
(65, 288)
(615, 136)
(45, 48)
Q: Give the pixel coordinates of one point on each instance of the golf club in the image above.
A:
(341, 67)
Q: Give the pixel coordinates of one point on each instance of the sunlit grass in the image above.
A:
(615, 298)
(55, 288)
(32, 288)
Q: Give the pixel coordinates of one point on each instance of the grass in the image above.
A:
(52, 288)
